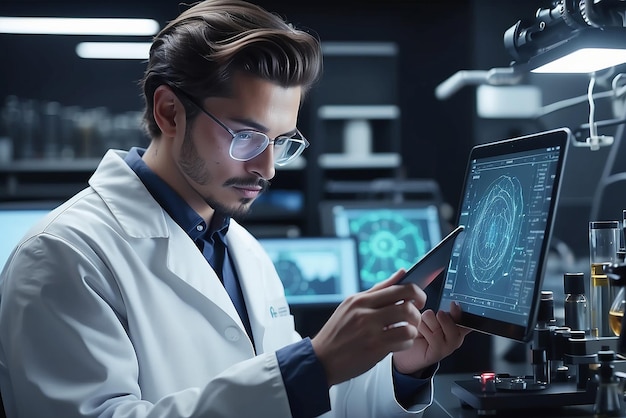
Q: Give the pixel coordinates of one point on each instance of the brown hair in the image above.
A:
(200, 50)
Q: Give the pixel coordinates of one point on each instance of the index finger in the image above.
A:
(380, 296)
(393, 279)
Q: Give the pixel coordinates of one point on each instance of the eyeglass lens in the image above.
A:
(247, 145)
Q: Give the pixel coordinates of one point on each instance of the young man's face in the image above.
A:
(227, 185)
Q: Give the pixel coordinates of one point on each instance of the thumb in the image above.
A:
(455, 313)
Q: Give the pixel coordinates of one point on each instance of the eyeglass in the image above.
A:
(248, 144)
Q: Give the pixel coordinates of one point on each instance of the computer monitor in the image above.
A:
(16, 218)
(507, 207)
(315, 270)
(389, 235)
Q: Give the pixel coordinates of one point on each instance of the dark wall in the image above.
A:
(434, 40)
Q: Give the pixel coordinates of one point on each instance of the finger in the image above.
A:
(451, 331)
(447, 324)
(455, 311)
(400, 336)
(393, 279)
(397, 314)
(429, 325)
(379, 298)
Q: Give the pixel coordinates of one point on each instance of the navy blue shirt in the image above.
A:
(303, 375)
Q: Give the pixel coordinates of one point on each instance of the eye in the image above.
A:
(245, 136)
(281, 140)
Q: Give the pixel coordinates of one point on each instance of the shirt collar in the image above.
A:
(171, 202)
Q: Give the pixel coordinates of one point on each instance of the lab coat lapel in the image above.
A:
(190, 265)
(249, 269)
(142, 218)
(272, 325)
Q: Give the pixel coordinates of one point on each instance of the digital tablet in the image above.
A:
(434, 261)
(507, 206)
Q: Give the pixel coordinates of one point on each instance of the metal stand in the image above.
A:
(571, 384)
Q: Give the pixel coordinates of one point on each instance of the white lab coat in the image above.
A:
(108, 309)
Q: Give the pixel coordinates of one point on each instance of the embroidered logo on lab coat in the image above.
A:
(276, 312)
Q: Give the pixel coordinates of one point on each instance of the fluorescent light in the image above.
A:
(586, 60)
(78, 26)
(113, 50)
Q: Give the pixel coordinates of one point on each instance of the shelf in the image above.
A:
(359, 112)
(50, 165)
(425, 188)
(366, 49)
(378, 160)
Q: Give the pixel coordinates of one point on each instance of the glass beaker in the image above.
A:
(616, 312)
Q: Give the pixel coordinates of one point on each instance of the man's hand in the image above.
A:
(386, 318)
(438, 337)
(369, 325)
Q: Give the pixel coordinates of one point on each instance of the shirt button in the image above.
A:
(200, 228)
(232, 334)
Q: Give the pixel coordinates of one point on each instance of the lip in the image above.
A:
(248, 192)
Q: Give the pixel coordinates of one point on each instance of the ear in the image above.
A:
(167, 111)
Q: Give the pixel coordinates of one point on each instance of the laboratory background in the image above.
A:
(409, 88)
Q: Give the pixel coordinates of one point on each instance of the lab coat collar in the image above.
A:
(140, 216)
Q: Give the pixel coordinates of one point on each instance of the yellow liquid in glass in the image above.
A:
(615, 321)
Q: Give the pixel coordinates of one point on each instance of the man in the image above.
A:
(141, 297)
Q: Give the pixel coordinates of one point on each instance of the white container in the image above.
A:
(357, 137)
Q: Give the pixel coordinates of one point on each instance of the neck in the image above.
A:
(162, 164)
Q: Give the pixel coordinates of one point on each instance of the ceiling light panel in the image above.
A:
(78, 26)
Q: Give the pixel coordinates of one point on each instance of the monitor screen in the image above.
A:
(389, 235)
(314, 270)
(16, 218)
(507, 208)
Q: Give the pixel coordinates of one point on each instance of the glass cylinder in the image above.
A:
(604, 241)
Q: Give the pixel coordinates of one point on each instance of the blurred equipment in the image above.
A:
(315, 270)
(572, 36)
(389, 235)
(16, 219)
(493, 77)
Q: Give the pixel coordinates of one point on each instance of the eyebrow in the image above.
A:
(261, 128)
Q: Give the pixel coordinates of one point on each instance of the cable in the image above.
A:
(594, 141)
(593, 130)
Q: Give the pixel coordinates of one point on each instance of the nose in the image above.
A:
(263, 164)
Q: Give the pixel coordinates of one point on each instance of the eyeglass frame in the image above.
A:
(297, 136)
